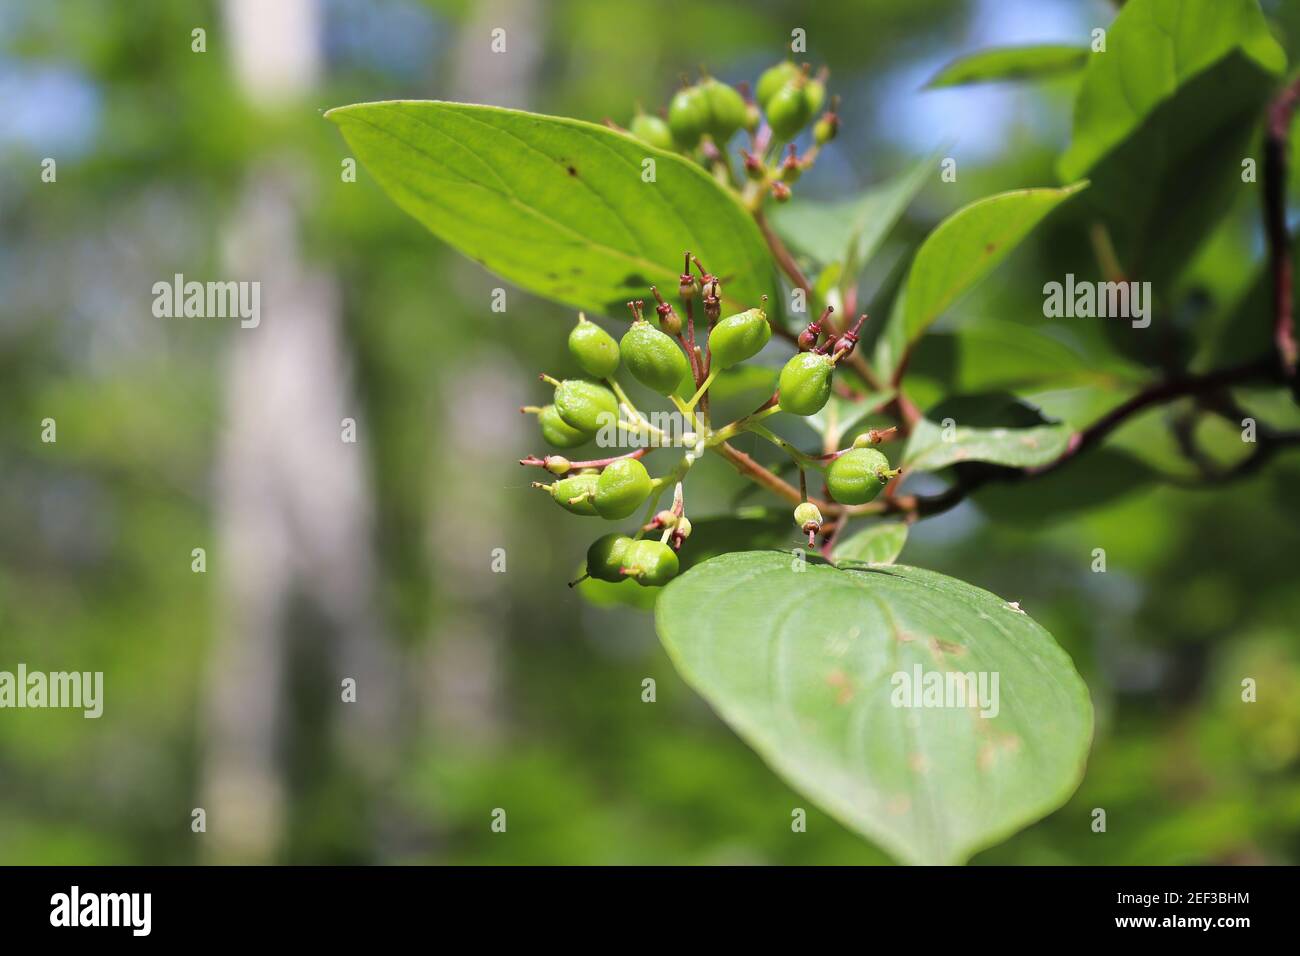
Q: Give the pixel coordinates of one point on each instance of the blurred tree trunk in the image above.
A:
(294, 512)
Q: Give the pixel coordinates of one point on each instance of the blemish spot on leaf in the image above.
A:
(1015, 606)
(572, 170)
(842, 685)
(946, 647)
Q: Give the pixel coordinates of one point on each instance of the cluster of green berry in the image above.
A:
(702, 117)
(664, 355)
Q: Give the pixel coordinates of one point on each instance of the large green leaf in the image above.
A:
(963, 249)
(802, 664)
(1152, 48)
(1011, 63)
(556, 205)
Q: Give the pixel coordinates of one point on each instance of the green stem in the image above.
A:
(699, 393)
(763, 432)
(727, 432)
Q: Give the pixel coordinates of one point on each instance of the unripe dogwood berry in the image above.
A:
(856, 477)
(773, 78)
(593, 348)
(574, 493)
(649, 562)
(739, 337)
(653, 358)
(788, 110)
(621, 488)
(807, 516)
(559, 433)
(584, 405)
(814, 92)
(805, 383)
(826, 128)
(688, 116)
(605, 557)
(726, 110)
(652, 130)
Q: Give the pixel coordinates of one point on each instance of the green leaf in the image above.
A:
(558, 206)
(1011, 63)
(879, 544)
(848, 233)
(802, 665)
(1153, 48)
(961, 251)
(996, 429)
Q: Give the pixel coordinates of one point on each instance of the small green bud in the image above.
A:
(621, 488)
(557, 464)
(574, 494)
(688, 116)
(559, 433)
(739, 337)
(788, 111)
(856, 477)
(593, 348)
(587, 406)
(805, 383)
(649, 562)
(666, 519)
(727, 111)
(753, 116)
(683, 529)
(825, 129)
(652, 130)
(653, 358)
(807, 516)
(773, 79)
(605, 557)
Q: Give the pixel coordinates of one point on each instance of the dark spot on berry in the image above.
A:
(988, 250)
(573, 171)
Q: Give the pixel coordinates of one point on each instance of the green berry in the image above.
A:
(593, 348)
(805, 383)
(739, 337)
(773, 79)
(651, 130)
(649, 562)
(688, 116)
(788, 110)
(559, 433)
(587, 406)
(807, 514)
(622, 488)
(605, 557)
(857, 476)
(727, 111)
(653, 358)
(814, 92)
(575, 494)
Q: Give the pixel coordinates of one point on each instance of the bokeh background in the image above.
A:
(372, 560)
